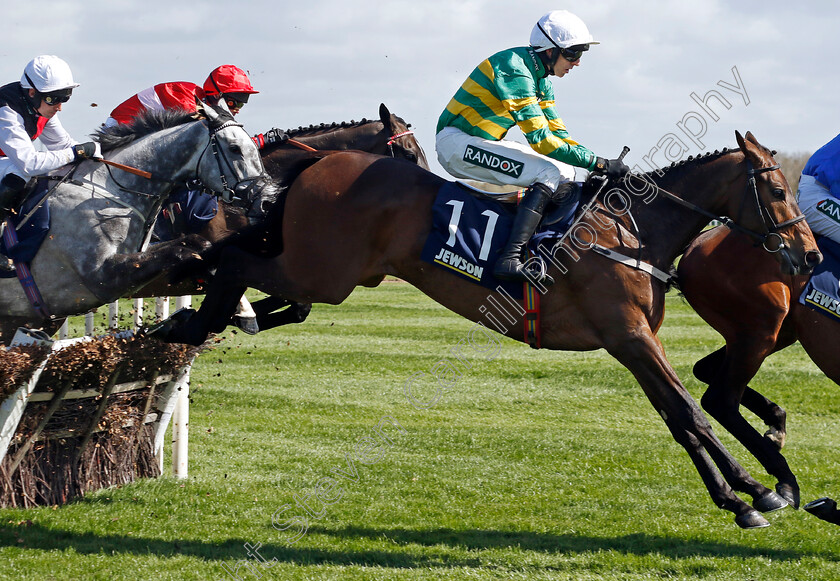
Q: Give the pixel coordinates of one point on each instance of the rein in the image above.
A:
(772, 227)
(301, 145)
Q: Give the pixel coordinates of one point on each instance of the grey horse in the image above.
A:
(101, 215)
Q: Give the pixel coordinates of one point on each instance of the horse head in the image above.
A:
(779, 224)
(234, 167)
(401, 142)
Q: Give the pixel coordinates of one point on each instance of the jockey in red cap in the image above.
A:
(227, 80)
(230, 83)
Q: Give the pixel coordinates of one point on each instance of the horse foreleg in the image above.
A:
(224, 294)
(728, 390)
(121, 274)
(267, 318)
(291, 315)
(644, 357)
(245, 318)
(707, 370)
(270, 304)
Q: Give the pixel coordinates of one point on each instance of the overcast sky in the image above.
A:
(335, 60)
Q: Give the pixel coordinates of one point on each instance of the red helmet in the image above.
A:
(228, 79)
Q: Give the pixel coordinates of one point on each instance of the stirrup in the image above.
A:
(6, 264)
(515, 270)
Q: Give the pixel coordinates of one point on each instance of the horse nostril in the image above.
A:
(813, 258)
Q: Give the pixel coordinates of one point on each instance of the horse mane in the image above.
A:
(690, 162)
(328, 127)
(144, 124)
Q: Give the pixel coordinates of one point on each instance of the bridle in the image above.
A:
(242, 189)
(772, 228)
(393, 139)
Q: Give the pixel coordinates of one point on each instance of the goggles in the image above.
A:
(573, 53)
(236, 100)
(57, 97)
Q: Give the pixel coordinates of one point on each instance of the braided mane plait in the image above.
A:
(329, 127)
(706, 157)
(144, 124)
(326, 127)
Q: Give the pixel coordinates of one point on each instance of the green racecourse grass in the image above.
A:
(535, 465)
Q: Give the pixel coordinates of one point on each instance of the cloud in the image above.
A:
(334, 60)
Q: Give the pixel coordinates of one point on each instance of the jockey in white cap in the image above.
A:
(512, 88)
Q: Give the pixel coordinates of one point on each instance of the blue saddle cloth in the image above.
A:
(185, 212)
(822, 293)
(469, 233)
(32, 234)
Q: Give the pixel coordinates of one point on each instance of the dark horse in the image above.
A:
(389, 135)
(758, 313)
(353, 218)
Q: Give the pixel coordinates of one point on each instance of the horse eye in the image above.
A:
(411, 157)
(779, 193)
(235, 149)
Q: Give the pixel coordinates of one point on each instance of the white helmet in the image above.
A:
(560, 29)
(47, 73)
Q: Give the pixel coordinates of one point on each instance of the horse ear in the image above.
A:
(750, 137)
(741, 142)
(207, 110)
(384, 115)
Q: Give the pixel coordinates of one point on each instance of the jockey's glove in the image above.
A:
(88, 150)
(614, 169)
(270, 137)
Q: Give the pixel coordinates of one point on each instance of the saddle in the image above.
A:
(822, 292)
(22, 245)
(470, 228)
(555, 213)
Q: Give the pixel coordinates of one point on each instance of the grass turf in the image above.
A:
(531, 465)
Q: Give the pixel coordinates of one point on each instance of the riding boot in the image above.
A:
(11, 190)
(509, 266)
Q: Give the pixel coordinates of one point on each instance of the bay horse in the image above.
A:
(389, 135)
(758, 313)
(353, 218)
(101, 215)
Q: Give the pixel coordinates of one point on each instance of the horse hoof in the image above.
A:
(247, 324)
(790, 492)
(166, 330)
(770, 502)
(824, 508)
(751, 520)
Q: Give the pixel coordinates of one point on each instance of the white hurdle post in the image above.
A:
(181, 416)
(181, 413)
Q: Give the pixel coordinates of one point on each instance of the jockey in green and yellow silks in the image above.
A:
(512, 88)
